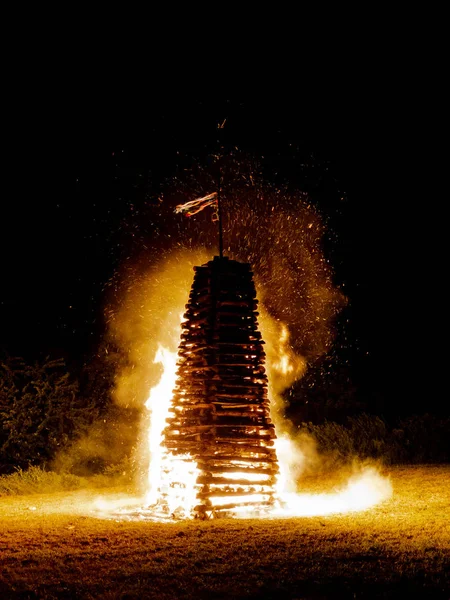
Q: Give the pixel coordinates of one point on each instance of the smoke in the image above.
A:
(146, 312)
(280, 234)
(105, 443)
(281, 237)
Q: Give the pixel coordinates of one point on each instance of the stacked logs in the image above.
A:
(220, 409)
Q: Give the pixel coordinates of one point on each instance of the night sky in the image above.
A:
(74, 179)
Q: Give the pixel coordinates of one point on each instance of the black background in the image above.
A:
(69, 158)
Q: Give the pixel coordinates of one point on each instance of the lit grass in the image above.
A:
(35, 480)
(52, 547)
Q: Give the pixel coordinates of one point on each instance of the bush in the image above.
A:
(423, 439)
(416, 439)
(36, 480)
(41, 410)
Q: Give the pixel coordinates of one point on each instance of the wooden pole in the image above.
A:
(219, 205)
(219, 212)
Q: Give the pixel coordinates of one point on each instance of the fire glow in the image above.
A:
(175, 479)
(298, 303)
(362, 491)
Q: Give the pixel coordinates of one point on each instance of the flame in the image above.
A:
(150, 326)
(158, 404)
(283, 364)
(172, 478)
(283, 367)
(178, 485)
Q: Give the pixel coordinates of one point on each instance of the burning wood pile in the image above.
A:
(220, 409)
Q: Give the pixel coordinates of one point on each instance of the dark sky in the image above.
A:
(62, 220)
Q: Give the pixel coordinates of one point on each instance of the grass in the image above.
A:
(35, 480)
(51, 546)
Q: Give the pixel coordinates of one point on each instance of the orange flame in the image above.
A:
(172, 479)
(159, 405)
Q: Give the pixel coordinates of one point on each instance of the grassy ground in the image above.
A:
(52, 547)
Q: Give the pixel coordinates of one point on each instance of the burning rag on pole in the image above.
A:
(193, 207)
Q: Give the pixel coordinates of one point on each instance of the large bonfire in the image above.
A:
(213, 447)
(212, 442)
(218, 446)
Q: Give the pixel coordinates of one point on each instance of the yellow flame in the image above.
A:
(178, 489)
(159, 404)
(173, 477)
(283, 364)
(146, 323)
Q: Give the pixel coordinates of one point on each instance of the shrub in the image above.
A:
(36, 480)
(41, 410)
(416, 439)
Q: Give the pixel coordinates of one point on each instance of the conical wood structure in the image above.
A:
(220, 409)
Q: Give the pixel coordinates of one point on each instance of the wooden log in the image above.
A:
(230, 437)
(190, 425)
(228, 488)
(220, 409)
(208, 480)
(238, 413)
(243, 447)
(269, 470)
(228, 459)
(232, 505)
(242, 395)
(193, 407)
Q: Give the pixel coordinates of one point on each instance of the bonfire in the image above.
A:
(213, 445)
(217, 452)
